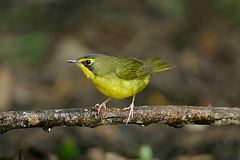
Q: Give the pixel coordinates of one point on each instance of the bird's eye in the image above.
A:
(88, 62)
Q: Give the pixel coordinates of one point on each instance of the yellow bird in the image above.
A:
(119, 77)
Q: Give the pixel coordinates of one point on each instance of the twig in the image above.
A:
(175, 116)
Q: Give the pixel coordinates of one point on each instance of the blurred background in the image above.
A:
(201, 38)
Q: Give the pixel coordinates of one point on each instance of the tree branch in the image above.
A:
(176, 116)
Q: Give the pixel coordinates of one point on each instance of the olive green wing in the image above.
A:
(131, 69)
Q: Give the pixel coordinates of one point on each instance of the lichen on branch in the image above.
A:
(176, 116)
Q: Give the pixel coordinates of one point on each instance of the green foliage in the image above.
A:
(145, 153)
(30, 48)
(15, 17)
(229, 8)
(178, 6)
(68, 150)
(170, 7)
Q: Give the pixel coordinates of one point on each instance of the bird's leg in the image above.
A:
(103, 104)
(130, 109)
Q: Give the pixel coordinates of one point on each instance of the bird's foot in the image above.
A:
(130, 115)
(100, 106)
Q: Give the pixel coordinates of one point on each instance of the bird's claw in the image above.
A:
(100, 106)
(130, 115)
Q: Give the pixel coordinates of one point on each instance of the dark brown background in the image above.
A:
(201, 38)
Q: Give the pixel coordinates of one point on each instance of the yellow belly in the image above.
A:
(115, 87)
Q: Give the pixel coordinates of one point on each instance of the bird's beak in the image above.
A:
(72, 61)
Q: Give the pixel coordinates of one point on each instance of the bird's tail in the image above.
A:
(157, 64)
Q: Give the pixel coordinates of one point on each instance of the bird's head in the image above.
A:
(93, 64)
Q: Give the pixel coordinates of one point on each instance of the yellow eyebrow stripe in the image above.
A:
(84, 59)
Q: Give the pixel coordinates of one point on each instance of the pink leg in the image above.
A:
(103, 104)
(130, 115)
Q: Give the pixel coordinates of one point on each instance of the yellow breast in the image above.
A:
(113, 86)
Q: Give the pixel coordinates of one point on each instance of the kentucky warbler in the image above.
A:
(119, 77)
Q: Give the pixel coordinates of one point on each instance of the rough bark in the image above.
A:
(176, 116)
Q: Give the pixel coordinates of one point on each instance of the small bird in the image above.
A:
(119, 77)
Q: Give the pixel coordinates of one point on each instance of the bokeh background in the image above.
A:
(201, 38)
